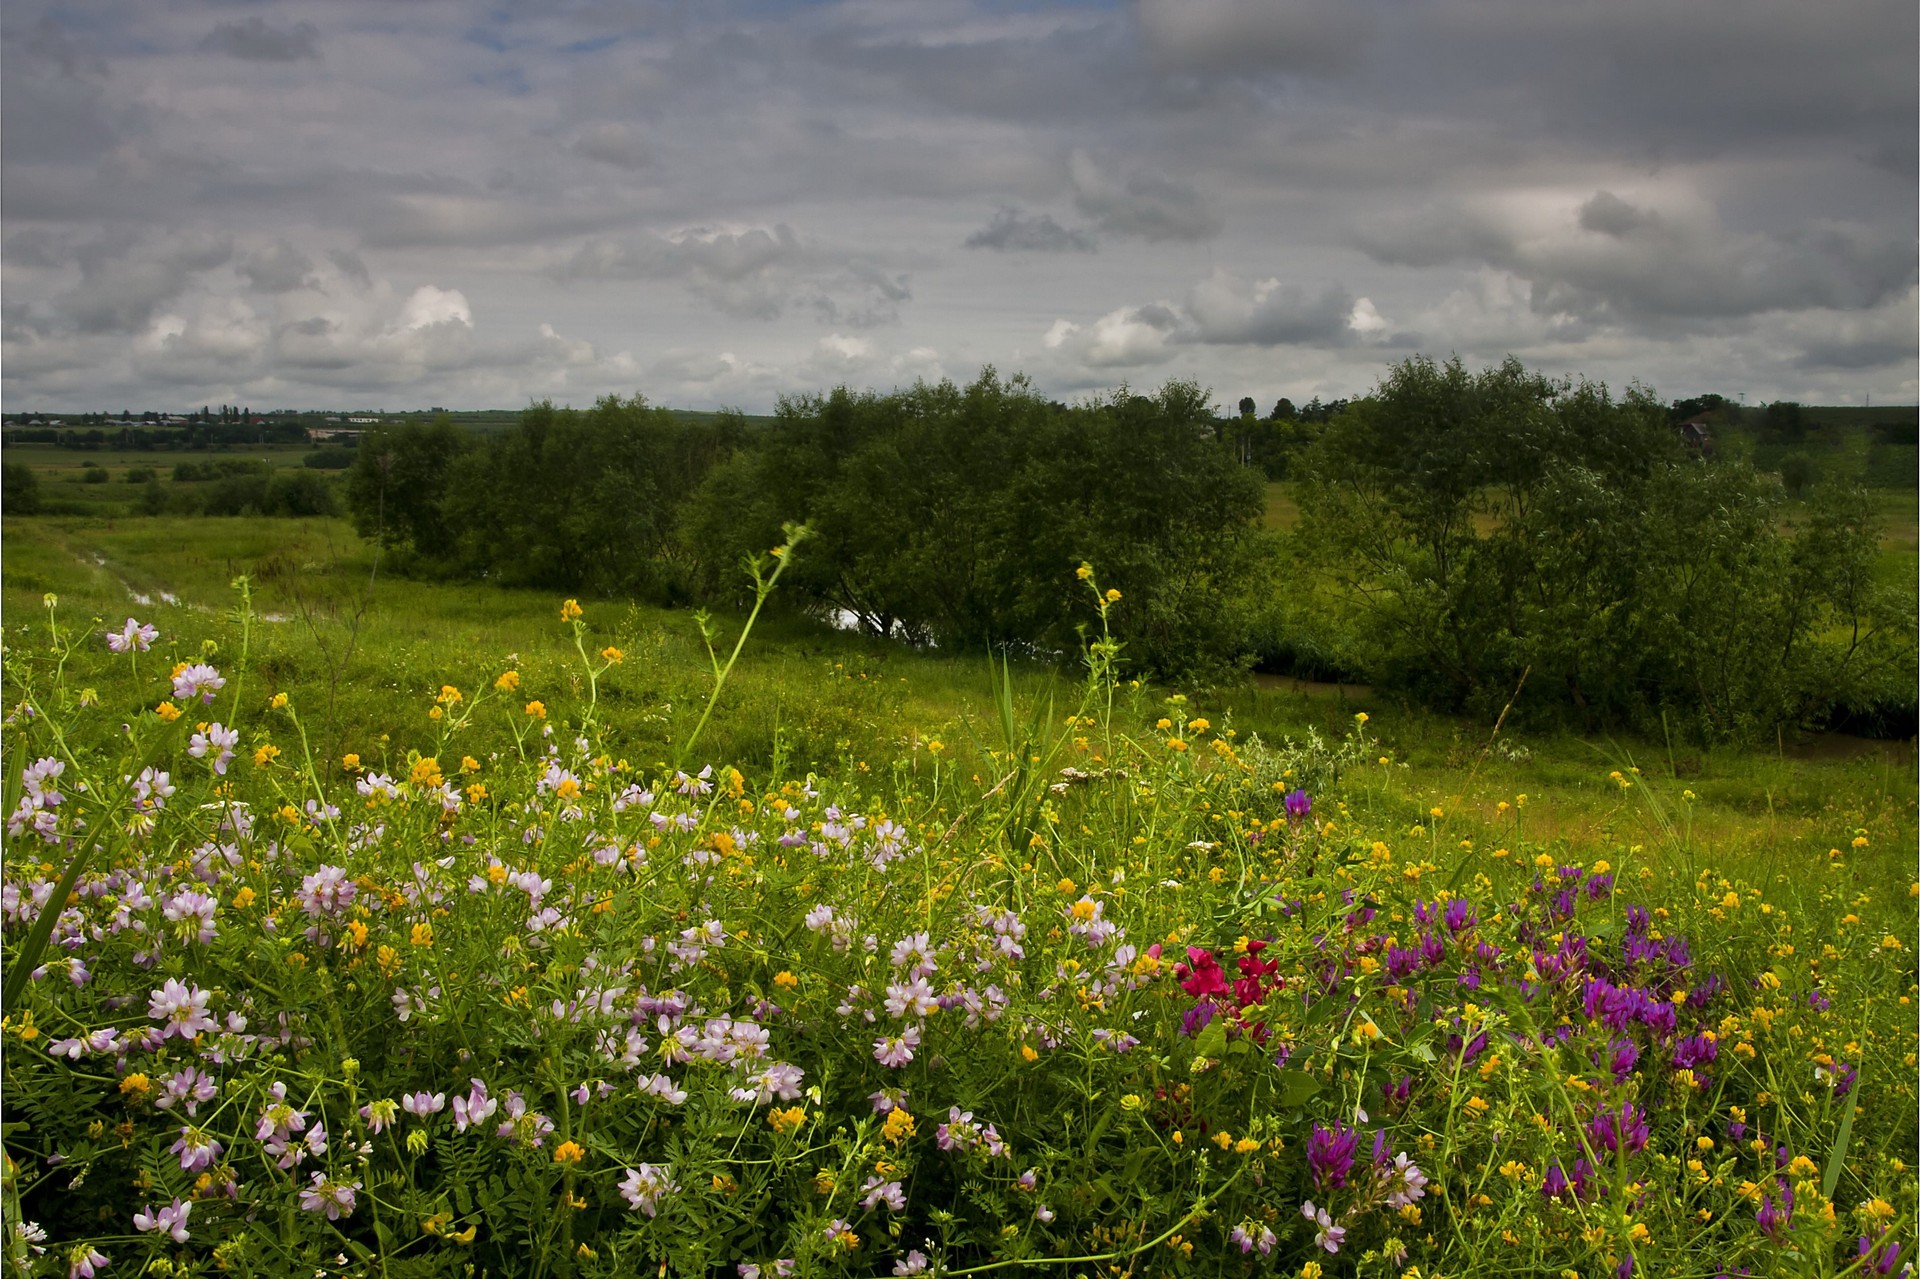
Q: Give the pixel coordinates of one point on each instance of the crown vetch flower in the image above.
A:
(1330, 1155)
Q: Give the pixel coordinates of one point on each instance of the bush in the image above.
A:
(19, 489)
(139, 474)
(95, 475)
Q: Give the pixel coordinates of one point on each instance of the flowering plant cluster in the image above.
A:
(521, 1006)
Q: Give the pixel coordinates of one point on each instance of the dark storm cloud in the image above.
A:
(288, 195)
(1014, 231)
(256, 40)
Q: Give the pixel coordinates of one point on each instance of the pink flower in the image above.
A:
(171, 1220)
(198, 680)
(646, 1185)
(131, 637)
(897, 1050)
(335, 1198)
(182, 1008)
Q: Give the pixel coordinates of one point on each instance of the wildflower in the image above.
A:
(197, 680)
(508, 681)
(786, 1121)
(1251, 1234)
(570, 610)
(897, 1050)
(167, 711)
(1298, 804)
(133, 637)
(171, 1220)
(195, 1149)
(879, 1192)
(473, 1108)
(1328, 1236)
(536, 709)
(84, 1261)
(613, 655)
(335, 1198)
(646, 1186)
(899, 1125)
(1330, 1156)
(182, 1008)
(915, 1262)
(218, 739)
(568, 1152)
(1113, 596)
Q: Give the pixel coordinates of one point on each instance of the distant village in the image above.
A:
(211, 426)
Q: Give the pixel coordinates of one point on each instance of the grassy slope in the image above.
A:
(836, 701)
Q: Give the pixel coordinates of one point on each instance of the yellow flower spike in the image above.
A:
(507, 682)
(167, 711)
(1113, 596)
(568, 1152)
(571, 610)
(613, 655)
(536, 709)
(449, 696)
(422, 935)
(1084, 572)
(350, 763)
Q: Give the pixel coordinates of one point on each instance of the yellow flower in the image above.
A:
(1113, 596)
(1310, 1271)
(1028, 1053)
(1802, 1166)
(426, 772)
(422, 934)
(1084, 572)
(568, 1152)
(786, 1121)
(785, 979)
(243, 898)
(570, 610)
(468, 764)
(279, 702)
(898, 1127)
(265, 755)
(613, 655)
(1198, 725)
(508, 682)
(476, 793)
(1245, 1146)
(449, 696)
(1360, 717)
(135, 1084)
(537, 709)
(1066, 887)
(167, 711)
(1175, 744)
(350, 762)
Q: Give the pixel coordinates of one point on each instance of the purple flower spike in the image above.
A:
(1330, 1154)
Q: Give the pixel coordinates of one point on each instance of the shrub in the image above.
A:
(19, 489)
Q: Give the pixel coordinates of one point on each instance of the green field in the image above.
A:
(356, 643)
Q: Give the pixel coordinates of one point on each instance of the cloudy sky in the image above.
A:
(360, 203)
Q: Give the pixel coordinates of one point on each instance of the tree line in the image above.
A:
(1465, 537)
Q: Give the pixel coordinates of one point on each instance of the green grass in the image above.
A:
(352, 643)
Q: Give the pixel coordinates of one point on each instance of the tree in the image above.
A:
(19, 489)
(1247, 406)
(398, 485)
(1283, 410)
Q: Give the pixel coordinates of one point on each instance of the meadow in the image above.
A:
(431, 928)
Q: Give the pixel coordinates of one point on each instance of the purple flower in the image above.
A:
(196, 1149)
(217, 739)
(1774, 1217)
(1328, 1236)
(646, 1186)
(1625, 1130)
(171, 1220)
(335, 1198)
(1621, 1056)
(85, 1261)
(183, 1008)
(1299, 804)
(134, 636)
(1694, 1050)
(1195, 1019)
(1330, 1155)
(198, 680)
(1554, 1184)
(1878, 1258)
(896, 1051)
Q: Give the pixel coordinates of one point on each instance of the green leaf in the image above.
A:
(1296, 1088)
(1841, 1141)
